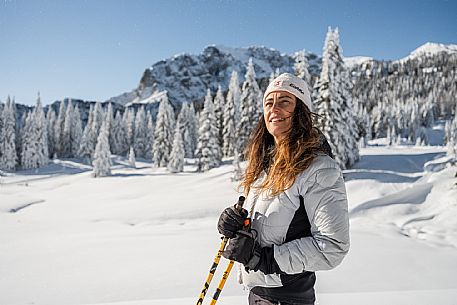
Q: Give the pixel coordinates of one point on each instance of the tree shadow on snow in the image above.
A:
(396, 163)
(385, 177)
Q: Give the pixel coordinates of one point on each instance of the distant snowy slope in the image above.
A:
(429, 49)
(356, 60)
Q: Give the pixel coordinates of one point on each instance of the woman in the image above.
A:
(295, 198)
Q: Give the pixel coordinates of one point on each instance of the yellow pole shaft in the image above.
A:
(212, 270)
(222, 283)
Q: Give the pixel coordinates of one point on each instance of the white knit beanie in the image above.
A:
(292, 84)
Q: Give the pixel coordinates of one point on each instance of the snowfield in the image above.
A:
(147, 237)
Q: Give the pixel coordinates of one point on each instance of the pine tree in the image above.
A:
(66, 139)
(176, 163)
(119, 136)
(41, 134)
(250, 107)
(8, 158)
(188, 126)
(163, 133)
(34, 140)
(132, 160)
(334, 103)
(29, 156)
(219, 103)
(59, 130)
(51, 120)
(150, 137)
(234, 94)
(301, 68)
(20, 125)
(129, 122)
(110, 117)
(140, 134)
(97, 121)
(76, 133)
(86, 147)
(102, 156)
(208, 150)
(229, 130)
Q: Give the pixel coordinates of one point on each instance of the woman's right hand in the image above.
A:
(231, 221)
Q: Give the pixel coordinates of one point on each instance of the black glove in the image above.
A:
(244, 249)
(231, 221)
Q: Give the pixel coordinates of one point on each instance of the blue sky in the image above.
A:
(97, 49)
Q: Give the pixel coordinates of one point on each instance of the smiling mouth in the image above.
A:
(275, 120)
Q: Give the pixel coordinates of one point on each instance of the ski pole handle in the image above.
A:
(239, 204)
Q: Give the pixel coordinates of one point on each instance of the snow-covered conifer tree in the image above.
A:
(301, 68)
(229, 130)
(109, 115)
(59, 129)
(334, 103)
(140, 134)
(176, 163)
(51, 120)
(234, 94)
(102, 155)
(208, 151)
(86, 148)
(191, 132)
(119, 136)
(132, 160)
(66, 139)
(76, 133)
(34, 139)
(129, 122)
(29, 156)
(219, 103)
(41, 134)
(8, 157)
(97, 121)
(163, 133)
(149, 136)
(251, 107)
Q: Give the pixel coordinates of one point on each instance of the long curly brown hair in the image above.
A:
(282, 161)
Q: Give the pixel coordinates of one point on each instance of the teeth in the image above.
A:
(277, 120)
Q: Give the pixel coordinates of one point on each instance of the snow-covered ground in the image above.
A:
(147, 237)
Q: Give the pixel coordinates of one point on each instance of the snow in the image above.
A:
(155, 97)
(146, 237)
(429, 49)
(356, 60)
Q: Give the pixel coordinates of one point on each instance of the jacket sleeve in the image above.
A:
(326, 205)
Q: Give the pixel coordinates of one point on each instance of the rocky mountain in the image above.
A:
(186, 77)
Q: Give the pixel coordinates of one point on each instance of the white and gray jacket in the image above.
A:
(308, 227)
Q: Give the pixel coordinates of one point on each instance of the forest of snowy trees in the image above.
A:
(397, 100)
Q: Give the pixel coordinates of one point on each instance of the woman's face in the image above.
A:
(278, 110)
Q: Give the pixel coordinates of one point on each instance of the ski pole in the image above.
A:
(212, 270)
(247, 224)
(222, 282)
(246, 227)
